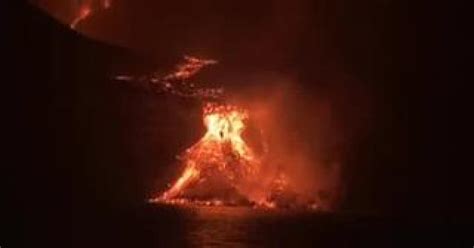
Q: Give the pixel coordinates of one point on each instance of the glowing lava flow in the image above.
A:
(221, 168)
(176, 82)
(189, 174)
(221, 159)
(86, 10)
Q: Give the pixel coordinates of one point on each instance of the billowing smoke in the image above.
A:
(297, 135)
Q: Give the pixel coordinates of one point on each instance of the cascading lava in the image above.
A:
(221, 168)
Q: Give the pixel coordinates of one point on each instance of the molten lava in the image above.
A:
(83, 13)
(222, 168)
(86, 8)
(176, 82)
(221, 163)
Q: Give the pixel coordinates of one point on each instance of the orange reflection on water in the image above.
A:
(223, 226)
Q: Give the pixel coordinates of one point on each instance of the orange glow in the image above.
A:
(106, 4)
(189, 68)
(84, 12)
(221, 152)
(222, 168)
(188, 175)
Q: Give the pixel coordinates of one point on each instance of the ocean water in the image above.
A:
(170, 226)
(152, 225)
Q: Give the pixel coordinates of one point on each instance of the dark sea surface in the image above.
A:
(151, 225)
(168, 226)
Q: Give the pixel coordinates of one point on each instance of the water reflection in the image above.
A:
(176, 226)
(223, 226)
